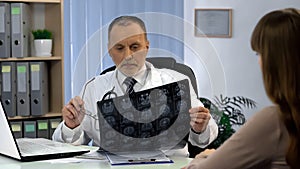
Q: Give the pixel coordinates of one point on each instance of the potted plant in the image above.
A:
(42, 42)
(228, 114)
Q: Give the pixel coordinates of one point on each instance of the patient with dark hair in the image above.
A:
(271, 138)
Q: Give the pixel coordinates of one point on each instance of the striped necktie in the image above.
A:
(129, 82)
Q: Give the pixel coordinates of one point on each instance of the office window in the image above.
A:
(86, 34)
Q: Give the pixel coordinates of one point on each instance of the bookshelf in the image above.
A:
(47, 14)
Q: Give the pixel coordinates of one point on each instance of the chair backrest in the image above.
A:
(169, 63)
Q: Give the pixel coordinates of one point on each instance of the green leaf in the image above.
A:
(41, 34)
(228, 111)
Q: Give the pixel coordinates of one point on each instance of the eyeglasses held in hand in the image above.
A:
(88, 113)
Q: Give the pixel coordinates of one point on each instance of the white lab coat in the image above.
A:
(96, 89)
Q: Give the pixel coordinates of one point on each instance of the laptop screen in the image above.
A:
(8, 145)
(33, 149)
(152, 119)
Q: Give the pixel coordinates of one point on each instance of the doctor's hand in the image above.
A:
(73, 112)
(205, 153)
(200, 117)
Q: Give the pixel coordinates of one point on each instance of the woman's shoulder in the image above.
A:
(269, 115)
(269, 111)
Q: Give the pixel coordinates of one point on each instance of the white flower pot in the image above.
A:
(43, 47)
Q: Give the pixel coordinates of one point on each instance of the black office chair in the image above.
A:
(170, 63)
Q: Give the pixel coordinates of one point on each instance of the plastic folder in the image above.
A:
(42, 129)
(29, 129)
(138, 158)
(17, 128)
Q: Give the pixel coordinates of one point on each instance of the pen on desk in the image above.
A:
(141, 160)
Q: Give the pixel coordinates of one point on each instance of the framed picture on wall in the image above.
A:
(213, 23)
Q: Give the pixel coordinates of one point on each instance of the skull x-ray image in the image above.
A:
(144, 100)
(152, 115)
(162, 95)
(111, 120)
(125, 103)
(107, 107)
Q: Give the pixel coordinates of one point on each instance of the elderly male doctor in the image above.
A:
(128, 47)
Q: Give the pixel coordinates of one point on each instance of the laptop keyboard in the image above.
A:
(34, 147)
(29, 148)
(40, 146)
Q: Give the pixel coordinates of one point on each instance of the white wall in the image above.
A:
(228, 66)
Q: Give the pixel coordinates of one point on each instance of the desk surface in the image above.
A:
(8, 163)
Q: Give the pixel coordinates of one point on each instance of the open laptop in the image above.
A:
(32, 149)
(146, 122)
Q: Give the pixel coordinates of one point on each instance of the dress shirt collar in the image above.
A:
(140, 77)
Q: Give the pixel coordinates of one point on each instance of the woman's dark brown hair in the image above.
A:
(276, 38)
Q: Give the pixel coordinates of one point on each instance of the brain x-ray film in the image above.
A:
(155, 118)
